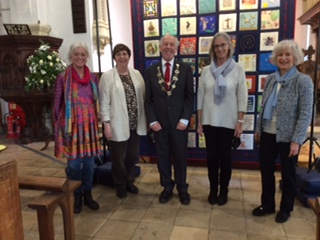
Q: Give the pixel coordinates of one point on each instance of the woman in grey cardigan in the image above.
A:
(285, 115)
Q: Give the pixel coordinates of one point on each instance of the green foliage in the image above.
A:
(44, 66)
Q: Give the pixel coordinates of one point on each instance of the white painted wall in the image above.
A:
(121, 32)
(59, 17)
(301, 32)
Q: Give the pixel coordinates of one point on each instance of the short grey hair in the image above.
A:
(169, 35)
(76, 45)
(227, 38)
(285, 45)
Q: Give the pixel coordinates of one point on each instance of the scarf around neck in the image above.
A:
(219, 73)
(72, 90)
(272, 101)
(86, 76)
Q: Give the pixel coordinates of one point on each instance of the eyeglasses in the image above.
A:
(222, 45)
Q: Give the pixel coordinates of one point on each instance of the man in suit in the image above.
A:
(169, 106)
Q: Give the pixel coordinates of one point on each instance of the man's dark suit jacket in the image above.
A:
(168, 110)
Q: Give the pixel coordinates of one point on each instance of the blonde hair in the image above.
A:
(227, 38)
(76, 45)
(285, 45)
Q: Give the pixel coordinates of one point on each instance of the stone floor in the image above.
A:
(142, 217)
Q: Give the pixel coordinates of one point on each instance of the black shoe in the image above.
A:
(121, 192)
(222, 200)
(260, 211)
(165, 196)
(212, 198)
(184, 198)
(132, 189)
(282, 217)
(89, 202)
(77, 206)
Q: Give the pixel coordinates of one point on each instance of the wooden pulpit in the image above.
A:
(14, 51)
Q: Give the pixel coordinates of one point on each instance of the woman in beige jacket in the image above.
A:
(122, 93)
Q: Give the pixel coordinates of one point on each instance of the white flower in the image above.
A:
(44, 47)
(44, 67)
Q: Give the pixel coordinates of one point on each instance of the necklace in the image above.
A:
(172, 84)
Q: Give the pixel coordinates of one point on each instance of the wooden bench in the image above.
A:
(59, 192)
(315, 206)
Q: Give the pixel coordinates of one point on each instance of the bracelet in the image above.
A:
(240, 121)
(106, 121)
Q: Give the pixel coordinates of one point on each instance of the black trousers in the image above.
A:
(172, 143)
(218, 145)
(269, 151)
(124, 156)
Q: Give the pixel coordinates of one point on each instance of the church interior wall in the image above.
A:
(58, 14)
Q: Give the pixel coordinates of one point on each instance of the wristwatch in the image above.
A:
(240, 121)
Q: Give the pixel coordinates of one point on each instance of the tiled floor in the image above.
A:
(141, 217)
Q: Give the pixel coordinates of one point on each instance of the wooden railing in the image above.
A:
(59, 193)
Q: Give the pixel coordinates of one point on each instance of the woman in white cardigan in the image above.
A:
(122, 93)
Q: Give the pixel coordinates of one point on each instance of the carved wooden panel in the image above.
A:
(11, 219)
(14, 51)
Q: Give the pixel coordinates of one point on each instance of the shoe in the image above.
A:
(184, 198)
(222, 200)
(77, 206)
(282, 217)
(165, 196)
(121, 192)
(88, 201)
(132, 189)
(212, 198)
(260, 211)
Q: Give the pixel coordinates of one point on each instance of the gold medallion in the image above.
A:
(172, 84)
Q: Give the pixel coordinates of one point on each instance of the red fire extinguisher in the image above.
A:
(10, 125)
(18, 127)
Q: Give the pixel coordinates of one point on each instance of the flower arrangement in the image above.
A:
(44, 66)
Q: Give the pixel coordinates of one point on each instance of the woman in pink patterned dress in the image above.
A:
(76, 123)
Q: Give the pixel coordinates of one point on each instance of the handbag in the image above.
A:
(236, 141)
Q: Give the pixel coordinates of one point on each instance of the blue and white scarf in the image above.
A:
(219, 73)
(272, 101)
